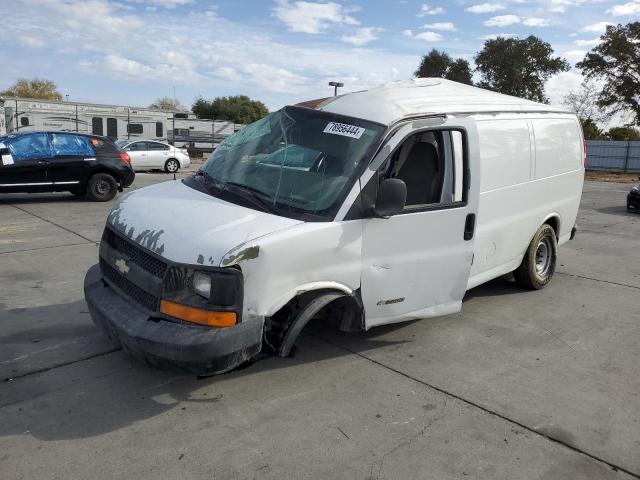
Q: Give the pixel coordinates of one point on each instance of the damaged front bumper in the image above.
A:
(167, 345)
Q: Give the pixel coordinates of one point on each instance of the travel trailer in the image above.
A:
(116, 122)
(366, 209)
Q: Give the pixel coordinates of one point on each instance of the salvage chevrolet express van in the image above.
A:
(375, 207)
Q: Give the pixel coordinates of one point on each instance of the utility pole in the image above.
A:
(335, 86)
(128, 124)
(76, 118)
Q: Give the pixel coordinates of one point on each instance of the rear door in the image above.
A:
(138, 153)
(23, 162)
(71, 160)
(157, 154)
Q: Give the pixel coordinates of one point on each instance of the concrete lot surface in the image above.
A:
(519, 385)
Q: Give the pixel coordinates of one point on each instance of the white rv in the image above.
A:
(373, 207)
(113, 121)
(185, 130)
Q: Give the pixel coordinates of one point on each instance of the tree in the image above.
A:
(623, 133)
(237, 109)
(441, 65)
(584, 103)
(591, 130)
(616, 61)
(518, 67)
(35, 88)
(166, 103)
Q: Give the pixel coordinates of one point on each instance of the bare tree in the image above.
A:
(166, 103)
(583, 101)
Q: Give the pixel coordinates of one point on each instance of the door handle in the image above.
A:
(469, 226)
(43, 162)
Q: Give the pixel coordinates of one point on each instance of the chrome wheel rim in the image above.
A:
(172, 166)
(543, 257)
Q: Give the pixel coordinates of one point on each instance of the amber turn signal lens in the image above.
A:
(196, 315)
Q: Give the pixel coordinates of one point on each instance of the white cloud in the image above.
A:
(493, 36)
(574, 56)
(429, 10)
(485, 8)
(587, 43)
(362, 36)
(502, 21)
(170, 4)
(599, 27)
(407, 33)
(312, 17)
(535, 22)
(428, 36)
(31, 42)
(629, 8)
(443, 26)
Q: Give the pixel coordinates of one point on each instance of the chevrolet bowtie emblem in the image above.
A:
(122, 266)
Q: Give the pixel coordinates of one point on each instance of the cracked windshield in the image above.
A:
(296, 159)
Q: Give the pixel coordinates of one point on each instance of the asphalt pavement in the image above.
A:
(519, 385)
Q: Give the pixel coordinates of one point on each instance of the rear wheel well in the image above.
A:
(338, 308)
(554, 222)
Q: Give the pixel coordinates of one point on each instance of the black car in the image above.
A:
(62, 161)
(633, 200)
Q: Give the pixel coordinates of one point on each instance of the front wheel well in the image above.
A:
(338, 308)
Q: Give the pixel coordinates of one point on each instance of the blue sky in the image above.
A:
(278, 51)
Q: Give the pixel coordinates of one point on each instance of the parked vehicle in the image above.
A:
(373, 207)
(150, 155)
(59, 162)
(633, 199)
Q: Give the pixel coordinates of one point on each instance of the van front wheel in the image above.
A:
(539, 262)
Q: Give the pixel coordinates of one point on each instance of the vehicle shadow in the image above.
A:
(617, 210)
(108, 391)
(91, 394)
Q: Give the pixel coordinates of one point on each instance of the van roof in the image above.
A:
(427, 96)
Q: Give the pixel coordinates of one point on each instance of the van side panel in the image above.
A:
(522, 185)
(505, 171)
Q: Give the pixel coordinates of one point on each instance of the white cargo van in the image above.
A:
(373, 207)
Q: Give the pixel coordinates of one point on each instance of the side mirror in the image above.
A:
(4, 151)
(391, 199)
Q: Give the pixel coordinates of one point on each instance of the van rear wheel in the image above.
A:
(539, 262)
(102, 187)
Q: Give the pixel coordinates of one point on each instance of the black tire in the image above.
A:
(102, 187)
(172, 165)
(539, 262)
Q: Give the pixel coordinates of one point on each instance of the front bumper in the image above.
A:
(166, 345)
(633, 202)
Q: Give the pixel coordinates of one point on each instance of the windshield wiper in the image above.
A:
(209, 181)
(252, 194)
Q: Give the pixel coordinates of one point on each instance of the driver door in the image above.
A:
(416, 264)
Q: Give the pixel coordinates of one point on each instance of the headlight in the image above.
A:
(202, 284)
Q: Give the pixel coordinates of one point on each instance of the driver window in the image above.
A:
(431, 165)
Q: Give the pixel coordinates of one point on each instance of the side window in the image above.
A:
(137, 146)
(159, 129)
(431, 164)
(96, 126)
(29, 147)
(112, 128)
(157, 146)
(65, 145)
(135, 128)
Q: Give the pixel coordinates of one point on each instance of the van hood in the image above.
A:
(188, 226)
